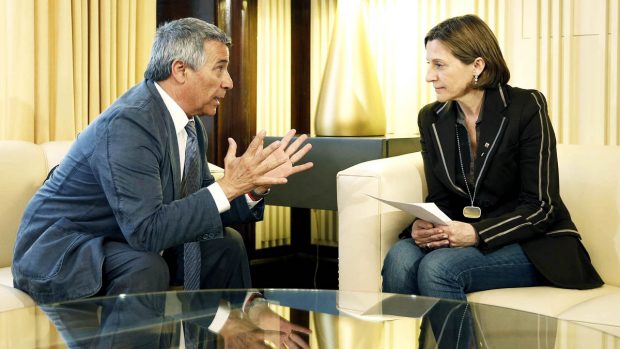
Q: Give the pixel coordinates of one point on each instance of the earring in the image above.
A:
(476, 79)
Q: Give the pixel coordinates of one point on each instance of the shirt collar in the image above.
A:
(179, 118)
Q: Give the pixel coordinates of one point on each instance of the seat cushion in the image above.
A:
(548, 301)
(602, 313)
(12, 298)
(6, 278)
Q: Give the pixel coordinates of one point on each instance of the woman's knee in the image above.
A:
(438, 273)
(400, 268)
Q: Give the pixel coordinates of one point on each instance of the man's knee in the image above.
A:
(234, 235)
(145, 272)
(233, 243)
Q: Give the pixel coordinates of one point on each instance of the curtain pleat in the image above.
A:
(65, 61)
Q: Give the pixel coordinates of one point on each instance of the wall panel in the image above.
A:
(569, 51)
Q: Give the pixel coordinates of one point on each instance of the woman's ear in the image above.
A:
(479, 65)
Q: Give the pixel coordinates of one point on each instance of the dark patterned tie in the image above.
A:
(191, 183)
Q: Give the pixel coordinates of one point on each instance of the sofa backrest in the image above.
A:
(23, 168)
(590, 188)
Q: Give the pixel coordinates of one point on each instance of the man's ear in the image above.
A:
(178, 72)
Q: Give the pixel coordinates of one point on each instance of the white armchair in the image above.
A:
(590, 188)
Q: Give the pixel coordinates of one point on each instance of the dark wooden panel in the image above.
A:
(237, 114)
(300, 66)
(168, 10)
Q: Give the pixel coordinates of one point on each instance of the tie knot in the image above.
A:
(190, 128)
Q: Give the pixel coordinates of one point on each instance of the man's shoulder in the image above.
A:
(139, 97)
(137, 102)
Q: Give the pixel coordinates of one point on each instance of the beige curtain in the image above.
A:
(63, 61)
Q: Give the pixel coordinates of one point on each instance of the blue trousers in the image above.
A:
(104, 323)
(450, 273)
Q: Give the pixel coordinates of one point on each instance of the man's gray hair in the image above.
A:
(182, 39)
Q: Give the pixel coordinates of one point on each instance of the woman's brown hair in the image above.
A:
(468, 38)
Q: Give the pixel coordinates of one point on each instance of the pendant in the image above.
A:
(472, 212)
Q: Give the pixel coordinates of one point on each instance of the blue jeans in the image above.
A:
(450, 273)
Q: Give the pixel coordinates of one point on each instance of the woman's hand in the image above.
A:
(460, 234)
(455, 234)
(426, 235)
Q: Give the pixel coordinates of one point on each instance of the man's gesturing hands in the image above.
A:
(259, 168)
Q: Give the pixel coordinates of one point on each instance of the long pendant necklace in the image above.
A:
(468, 211)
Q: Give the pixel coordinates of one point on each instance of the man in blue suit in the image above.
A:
(114, 216)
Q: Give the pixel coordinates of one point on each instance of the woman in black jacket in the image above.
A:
(490, 163)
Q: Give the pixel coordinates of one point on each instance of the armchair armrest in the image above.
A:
(368, 228)
(216, 171)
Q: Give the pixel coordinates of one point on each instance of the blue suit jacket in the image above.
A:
(119, 181)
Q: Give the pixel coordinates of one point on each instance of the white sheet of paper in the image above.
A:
(427, 211)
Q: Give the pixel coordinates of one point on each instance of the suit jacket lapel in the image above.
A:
(445, 144)
(173, 144)
(492, 128)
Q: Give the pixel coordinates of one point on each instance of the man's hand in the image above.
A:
(266, 319)
(263, 329)
(290, 154)
(240, 333)
(249, 171)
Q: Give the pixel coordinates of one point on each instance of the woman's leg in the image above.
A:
(450, 273)
(453, 272)
(400, 268)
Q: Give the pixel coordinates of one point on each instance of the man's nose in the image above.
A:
(227, 83)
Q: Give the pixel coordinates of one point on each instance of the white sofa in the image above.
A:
(23, 168)
(590, 187)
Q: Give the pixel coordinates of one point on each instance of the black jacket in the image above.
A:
(516, 179)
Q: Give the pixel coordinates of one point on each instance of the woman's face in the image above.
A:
(450, 77)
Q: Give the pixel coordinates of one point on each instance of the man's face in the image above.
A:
(208, 85)
(449, 76)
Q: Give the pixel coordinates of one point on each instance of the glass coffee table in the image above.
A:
(273, 318)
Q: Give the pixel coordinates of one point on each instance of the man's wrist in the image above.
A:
(255, 196)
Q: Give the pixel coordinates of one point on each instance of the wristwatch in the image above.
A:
(256, 196)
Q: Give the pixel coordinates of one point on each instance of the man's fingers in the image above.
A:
(256, 142)
(298, 328)
(298, 142)
(232, 150)
(298, 341)
(301, 153)
(271, 164)
(287, 138)
(265, 181)
(301, 168)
